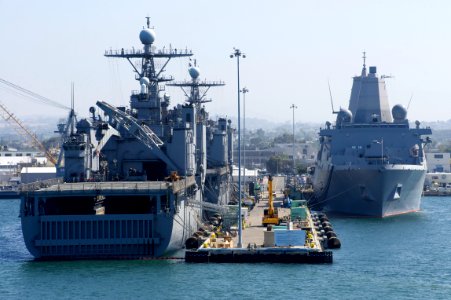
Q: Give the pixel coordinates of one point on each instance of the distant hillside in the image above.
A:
(268, 125)
(45, 125)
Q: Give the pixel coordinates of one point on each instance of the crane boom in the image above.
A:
(270, 214)
(141, 132)
(24, 132)
(270, 197)
(32, 95)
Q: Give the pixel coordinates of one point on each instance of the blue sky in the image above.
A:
(293, 48)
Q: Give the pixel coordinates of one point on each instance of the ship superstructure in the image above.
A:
(218, 159)
(371, 163)
(133, 179)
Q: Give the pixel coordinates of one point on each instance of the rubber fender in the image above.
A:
(327, 229)
(333, 243)
(331, 234)
(192, 243)
(324, 218)
(326, 223)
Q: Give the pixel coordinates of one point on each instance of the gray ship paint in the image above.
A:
(370, 163)
(134, 177)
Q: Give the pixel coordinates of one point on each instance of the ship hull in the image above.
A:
(161, 231)
(217, 186)
(377, 191)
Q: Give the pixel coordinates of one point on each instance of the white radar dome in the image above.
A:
(147, 36)
(194, 72)
(399, 112)
(344, 115)
(144, 80)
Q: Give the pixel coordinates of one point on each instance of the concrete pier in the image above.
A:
(253, 229)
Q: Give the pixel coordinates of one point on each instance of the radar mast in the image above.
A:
(147, 102)
(196, 90)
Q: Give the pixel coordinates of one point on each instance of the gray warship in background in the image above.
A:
(135, 180)
(370, 163)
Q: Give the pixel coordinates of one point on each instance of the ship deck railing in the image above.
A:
(109, 186)
(155, 52)
(425, 130)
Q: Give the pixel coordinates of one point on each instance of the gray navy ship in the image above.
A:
(370, 163)
(136, 177)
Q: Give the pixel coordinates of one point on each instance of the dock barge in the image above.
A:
(303, 236)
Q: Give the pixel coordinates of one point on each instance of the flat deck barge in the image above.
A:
(301, 239)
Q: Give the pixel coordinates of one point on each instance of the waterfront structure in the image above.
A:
(438, 162)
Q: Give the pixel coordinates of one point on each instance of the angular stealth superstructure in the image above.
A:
(370, 163)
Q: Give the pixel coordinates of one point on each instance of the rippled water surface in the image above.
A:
(400, 257)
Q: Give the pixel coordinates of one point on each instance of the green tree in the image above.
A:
(279, 164)
(283, 139)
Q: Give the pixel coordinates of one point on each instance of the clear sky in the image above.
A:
(293, 48)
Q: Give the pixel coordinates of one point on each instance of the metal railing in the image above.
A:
(57, 185)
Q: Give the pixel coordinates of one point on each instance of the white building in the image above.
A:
(33, 174)
(251, 175)
(12, 161)
(438, 162)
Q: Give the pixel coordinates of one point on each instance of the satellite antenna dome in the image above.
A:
(399, 112)
(144, 80)
(194, 72)
(344, 115)
(143, 89)
(166, 97)
(147, 36)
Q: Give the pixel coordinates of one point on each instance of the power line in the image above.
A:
(33, 95)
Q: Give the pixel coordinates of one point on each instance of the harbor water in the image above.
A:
(400, 257)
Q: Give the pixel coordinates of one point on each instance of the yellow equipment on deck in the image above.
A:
(271, 214)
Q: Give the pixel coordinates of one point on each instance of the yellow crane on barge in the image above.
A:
(270, 214)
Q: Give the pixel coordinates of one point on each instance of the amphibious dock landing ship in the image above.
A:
(370, 163)
(133, 178)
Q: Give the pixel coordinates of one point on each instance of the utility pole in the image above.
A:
(237, 53)
(244, 91)
(294, 166)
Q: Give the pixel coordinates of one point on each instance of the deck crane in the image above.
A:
(271, 214)
(22, 130)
